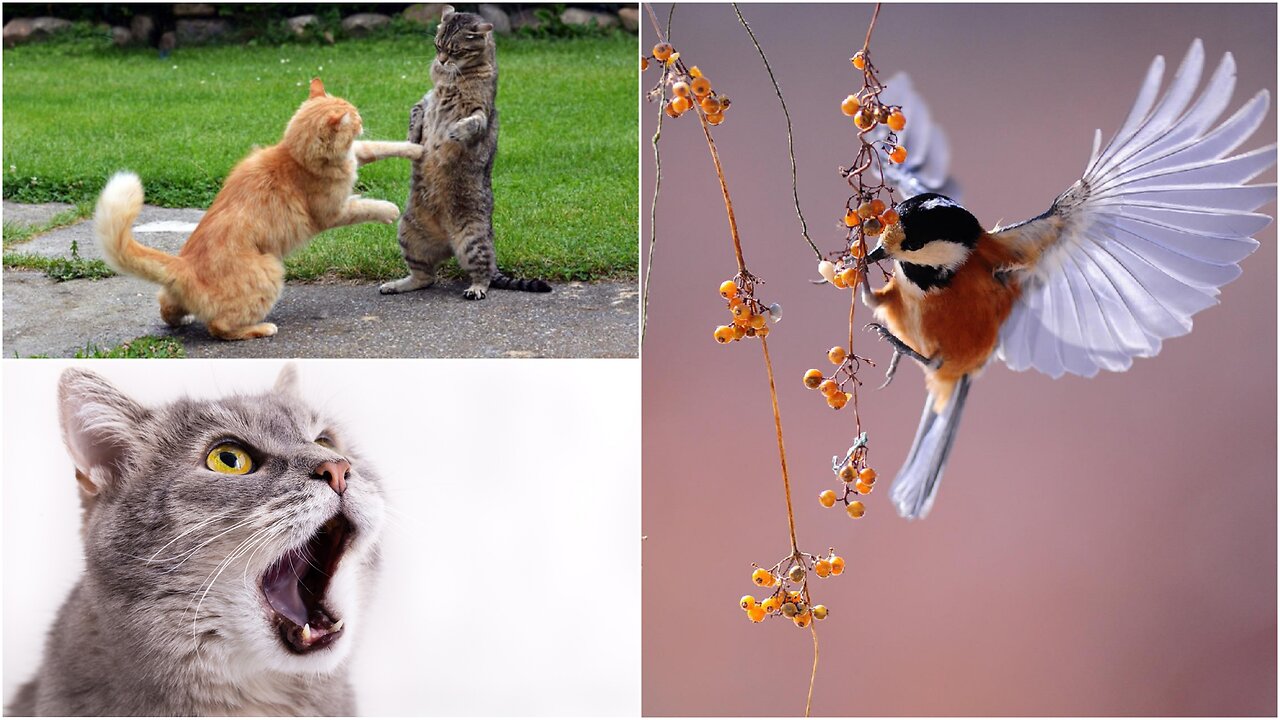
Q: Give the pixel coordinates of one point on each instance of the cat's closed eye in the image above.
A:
(229, 458)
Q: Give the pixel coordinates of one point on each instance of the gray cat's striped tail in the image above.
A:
(506, 282)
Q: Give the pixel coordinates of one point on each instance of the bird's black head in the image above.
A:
(932, 231)
(929, 217)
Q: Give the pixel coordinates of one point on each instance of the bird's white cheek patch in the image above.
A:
(939, 253)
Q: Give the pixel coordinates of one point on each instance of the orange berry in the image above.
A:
(771, 604)
(850, 105)
(724, 334)
(828, 387)
(837, 354)
(802, 619)
(701, 86)
(847, 473)
(670, 110)
(837, 564)
(837, 401)
(747, 602)
(872, 226)
(864, 120)
(864, 211)
(898, 154)
(849, 276)
(715, 118)
(877, 206)
(710, 105)
(839, 282)
(813, 378)
(762, 332)
(739, 332)
(856, 509)
(867, 476)
(788, 609)
(827, 498)
(757, 321)
(889, 217)
(681, 104)
(644, 64)
(741, 311)
(862, 488)
(695, 72)
(851, 218)
(819, 612)
(728, 289)
(859, 60)
(763, 578)
(793, 596)
(756, 614)
(857, 250)
(681, 89)
(897, 120)
(662, 51)
(822, 568)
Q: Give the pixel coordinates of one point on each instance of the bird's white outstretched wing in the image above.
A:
(1144, 241)
(928, 153)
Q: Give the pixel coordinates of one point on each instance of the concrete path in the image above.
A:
(43, 317)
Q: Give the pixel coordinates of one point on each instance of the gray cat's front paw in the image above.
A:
(463, 131)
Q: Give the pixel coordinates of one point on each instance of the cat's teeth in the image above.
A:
(337, 626)
(306, 634)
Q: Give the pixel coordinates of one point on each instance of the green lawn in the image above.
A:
(565, 177)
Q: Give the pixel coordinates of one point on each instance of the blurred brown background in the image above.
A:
(1103, 546)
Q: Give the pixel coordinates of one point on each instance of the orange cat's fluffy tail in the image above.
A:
(118, 207)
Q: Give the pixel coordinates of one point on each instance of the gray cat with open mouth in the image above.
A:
(230, 546)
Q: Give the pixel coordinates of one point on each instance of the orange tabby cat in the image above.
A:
(229, 274)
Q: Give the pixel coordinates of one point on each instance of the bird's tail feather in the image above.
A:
(917, 482)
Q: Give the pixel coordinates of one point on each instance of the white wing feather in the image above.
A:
(1158, 223)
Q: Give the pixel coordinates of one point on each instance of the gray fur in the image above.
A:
(158, 625)
(449, 212)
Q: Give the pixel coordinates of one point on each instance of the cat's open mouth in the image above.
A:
(295, 585)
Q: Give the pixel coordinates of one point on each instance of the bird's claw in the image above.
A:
(901, 348)
(892, 370)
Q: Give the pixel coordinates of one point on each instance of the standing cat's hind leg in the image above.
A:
(415, 281)
(475, 256)
(224, 330)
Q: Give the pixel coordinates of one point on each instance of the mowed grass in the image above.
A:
(564, 180)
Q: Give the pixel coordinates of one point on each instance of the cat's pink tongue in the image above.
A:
(281, 587)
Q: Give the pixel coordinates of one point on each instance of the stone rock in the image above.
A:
(423, 13)
(21, 30)
(197, 32)
(363, 23)
(497, 16)
(194, 10)
(630, 17)
(526, 19)
(121, 36)
(578, 16)
(298, 25)
(142, 27)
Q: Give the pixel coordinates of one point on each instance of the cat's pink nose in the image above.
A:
(333, 472)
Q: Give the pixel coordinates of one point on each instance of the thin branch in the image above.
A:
(657, 184)
(791, 148)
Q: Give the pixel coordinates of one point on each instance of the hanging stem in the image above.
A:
(724, 190)
(782, 450)
(657, 185)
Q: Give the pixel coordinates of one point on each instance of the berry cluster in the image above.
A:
(751, 317)
(689, 87)
(791, 602)
(858, 478)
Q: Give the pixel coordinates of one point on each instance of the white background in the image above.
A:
(516, 484)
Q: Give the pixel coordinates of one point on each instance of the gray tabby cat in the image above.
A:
(229, 549)
(450, 207)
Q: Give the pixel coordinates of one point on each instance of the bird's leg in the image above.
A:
(901, 348)
(893, 369)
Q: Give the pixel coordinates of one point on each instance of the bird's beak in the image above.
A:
(878, 254)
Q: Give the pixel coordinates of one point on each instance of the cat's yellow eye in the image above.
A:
(229, 459)
(325, 441)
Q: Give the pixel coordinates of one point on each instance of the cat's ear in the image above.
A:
(317, 88)
(483, 28)
(287, 381)
(339, 119)
(99, 426)
(446, 11)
